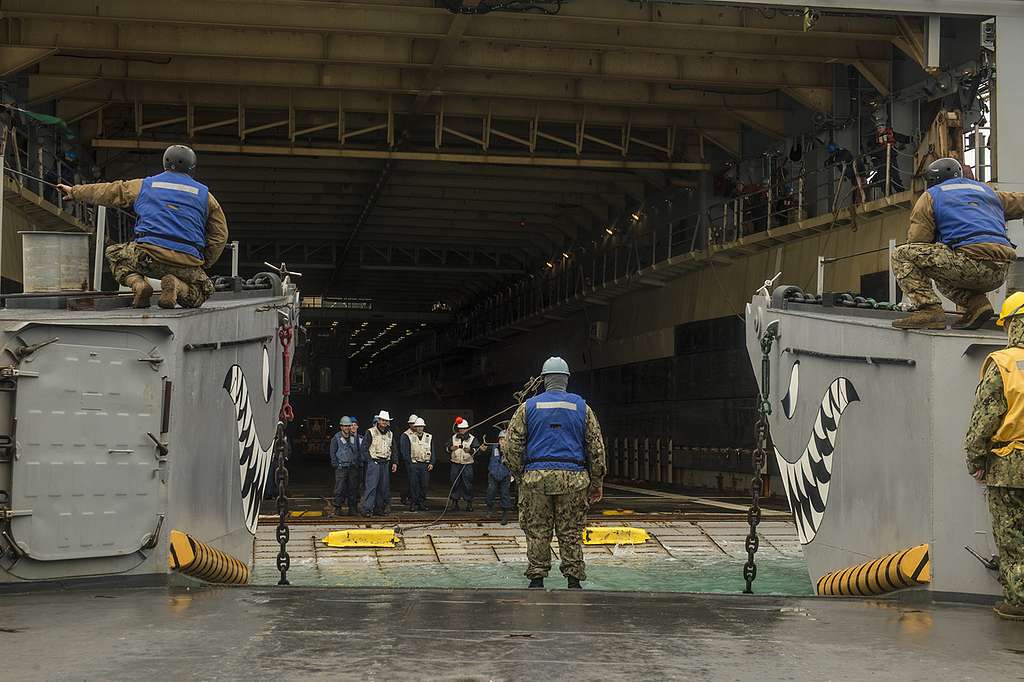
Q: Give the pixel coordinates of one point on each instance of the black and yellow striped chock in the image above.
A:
(896, 571)
(199, 560)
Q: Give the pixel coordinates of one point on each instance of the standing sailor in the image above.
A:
(346, 456)
(180, 231)
(995, 452)
(404, 455)
(957, 237)
(379, 453)
(499, 480)
(462, 448)
(421, 456)
(555, 449)
(361, 476)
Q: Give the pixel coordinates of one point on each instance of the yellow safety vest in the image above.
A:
(1010, 362)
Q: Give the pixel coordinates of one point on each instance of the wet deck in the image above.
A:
(372, 634)
(489, 542)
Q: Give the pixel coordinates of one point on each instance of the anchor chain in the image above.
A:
(280, 458)
(284, 561)
(764, 410)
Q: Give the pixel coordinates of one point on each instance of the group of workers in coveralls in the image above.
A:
(363, 464)
(552, 448)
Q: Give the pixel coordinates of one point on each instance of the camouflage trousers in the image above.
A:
(546, 508)
(1007, 508)
(957, 276)
(131, 259)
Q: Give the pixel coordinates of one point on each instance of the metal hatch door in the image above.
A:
(84, 466)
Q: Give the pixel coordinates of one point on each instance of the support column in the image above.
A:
(1008, 133)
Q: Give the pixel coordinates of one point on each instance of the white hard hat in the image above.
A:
(412, 418)
(384, 415)
(420, 422)
(502, 433)
(461, 424)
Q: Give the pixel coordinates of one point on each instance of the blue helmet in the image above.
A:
(346, 421)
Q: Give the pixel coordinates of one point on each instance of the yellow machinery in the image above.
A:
(361, 537)
(614, 535)
(199, 560)
(895, 571)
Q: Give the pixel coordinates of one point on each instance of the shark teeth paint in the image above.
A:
(253, 459)
(807, 479)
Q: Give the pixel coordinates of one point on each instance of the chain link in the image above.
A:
(764, 409)
(284, 561)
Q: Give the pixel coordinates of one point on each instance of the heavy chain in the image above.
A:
(764, 409)
(284, 561)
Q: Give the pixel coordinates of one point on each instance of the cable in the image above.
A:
(530, 386)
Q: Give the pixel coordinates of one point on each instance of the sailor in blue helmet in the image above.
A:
(555, 449)
(499, 480)
(957, 238)
(346, 458)
(179, 234)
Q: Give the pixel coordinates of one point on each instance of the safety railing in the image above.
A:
(643, 242)
(37, 168)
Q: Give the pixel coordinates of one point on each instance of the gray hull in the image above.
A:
(868, 424)
(86, 490)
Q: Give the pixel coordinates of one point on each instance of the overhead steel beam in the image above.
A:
(499, 159)
(659, 108)
(587, 84)
(982, 8)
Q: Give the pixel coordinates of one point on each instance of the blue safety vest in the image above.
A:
(497, 469)
(555, 424)
(968, 212)
(172, 210)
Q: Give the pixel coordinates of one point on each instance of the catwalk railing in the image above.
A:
(626, 252)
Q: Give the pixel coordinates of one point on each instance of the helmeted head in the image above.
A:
(383, 420)
(180, 159)
(555, 373)
(1011, 316)
(832, 148)
(419, 426)
(345, 424)
(461, 426)
(412, 420)
(941, 170)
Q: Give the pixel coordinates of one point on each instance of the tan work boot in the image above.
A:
(141, 290)
(930, 317)
(169, 287)
(1008, 611)
(979, 311)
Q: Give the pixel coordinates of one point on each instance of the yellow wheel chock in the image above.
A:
(361, 537)
(614, 535)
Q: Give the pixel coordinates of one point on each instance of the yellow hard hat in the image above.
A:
(1013, 305)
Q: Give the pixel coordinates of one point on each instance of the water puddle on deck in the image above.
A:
(623, 571)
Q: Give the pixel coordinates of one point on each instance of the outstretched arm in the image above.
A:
(119, 194)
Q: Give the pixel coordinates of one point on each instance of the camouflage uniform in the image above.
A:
(1004, 476)
(554, 501)
(958, 277)
(130, 259)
